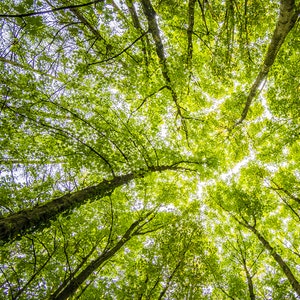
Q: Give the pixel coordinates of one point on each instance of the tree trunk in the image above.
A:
(250, 284)
(286, 21)
(284, 267)
(30, 220)
(75, 283)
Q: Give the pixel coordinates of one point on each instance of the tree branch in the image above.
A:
(37, 13)
(29, 68)
(120, 53)
(74, 284)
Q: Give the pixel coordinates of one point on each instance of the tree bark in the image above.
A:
(249, 283)
(154, 30)
(30, 220)
(75, 283)
(284, 267)
(248, 275)
(190, 29)
(286, 21)
(77, 269)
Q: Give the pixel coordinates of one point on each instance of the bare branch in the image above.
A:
(28, 68)
(120, 53)
(38, 13)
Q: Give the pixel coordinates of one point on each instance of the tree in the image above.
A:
(30, 219)
(149, 149)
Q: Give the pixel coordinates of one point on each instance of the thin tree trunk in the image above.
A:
(286, 21)
(163, 292)
(75, 283)
(250, 283)
(30, 220)
(160, 51)
(284, 267)
(67, 280)
(191, 21)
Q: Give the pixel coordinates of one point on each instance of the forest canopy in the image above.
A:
(150, 149)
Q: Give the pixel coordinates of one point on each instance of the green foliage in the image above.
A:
(86, 96)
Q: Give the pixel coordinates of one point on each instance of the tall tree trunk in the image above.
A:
(75, 283)
(286, 21)
(249, 283)
(248, 275)
(284, 267)
(30, 220)
(160, 51)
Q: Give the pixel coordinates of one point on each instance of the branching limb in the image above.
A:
(36, 273)
(84, 260)
(145, 99)
(64, 133)
(276, 256)
(290, 195)
(138, 26)
(32, 219)
(202, 7)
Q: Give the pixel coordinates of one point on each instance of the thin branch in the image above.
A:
(48, 11)
(120, 53)
(202, 7)
(28, 68)
(77, 116)
(65, 133)
(82, 19)
(137, 25)
(8, 282)
(20, 291)
(76, 282)
(145, 99)
(170, 280)
(290, 195)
